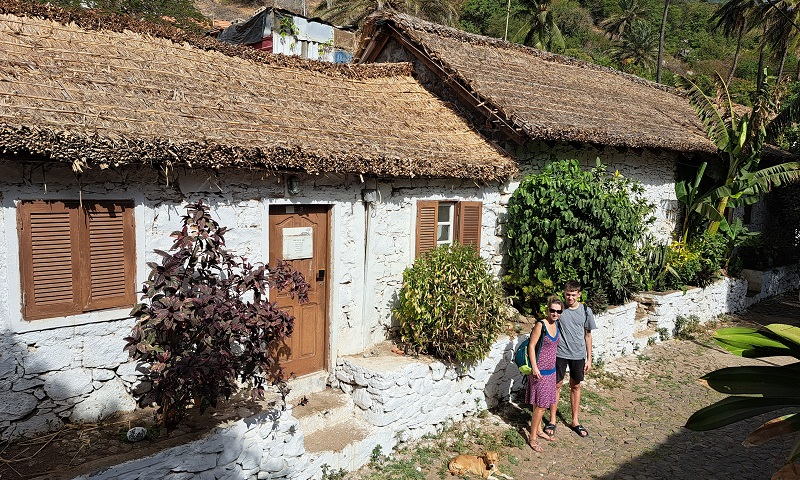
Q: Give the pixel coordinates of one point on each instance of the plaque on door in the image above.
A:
(298, 243)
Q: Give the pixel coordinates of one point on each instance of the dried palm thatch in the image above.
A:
(104, 98)
(544, 95)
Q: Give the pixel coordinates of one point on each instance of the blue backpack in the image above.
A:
(521, 354)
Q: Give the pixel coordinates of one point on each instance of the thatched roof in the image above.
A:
(105, 90)
(541, 95)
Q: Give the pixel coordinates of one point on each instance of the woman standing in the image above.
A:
(542, 381)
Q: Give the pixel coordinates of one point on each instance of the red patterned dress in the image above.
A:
(542, 391)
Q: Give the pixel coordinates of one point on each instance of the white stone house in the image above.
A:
(542, 106)
(106, 134)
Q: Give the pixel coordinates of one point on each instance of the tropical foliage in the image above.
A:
(205, 324)
(568, 223)
(637, 46)
(353, 12)
(741, 180)
(450, 305)
(758, 389)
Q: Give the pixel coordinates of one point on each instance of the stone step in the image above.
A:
(316, 411)
(337, 436)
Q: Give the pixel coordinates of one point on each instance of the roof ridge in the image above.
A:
(405, 21)
(105, 21)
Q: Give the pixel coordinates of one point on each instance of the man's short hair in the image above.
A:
(572, 285)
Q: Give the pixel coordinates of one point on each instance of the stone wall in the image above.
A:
(74, 367)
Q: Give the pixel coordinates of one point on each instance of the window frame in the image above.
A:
(451, 223)
(456, 226)
(85, 306)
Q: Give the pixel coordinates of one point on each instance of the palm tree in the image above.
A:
(637, 46)
(732, 18)
(660, 60)
(353, 12)
(630, 11)
(540, 29)
(740, 140)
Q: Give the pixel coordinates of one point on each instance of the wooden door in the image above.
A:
(291, 228)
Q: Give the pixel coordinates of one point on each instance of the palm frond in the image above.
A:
(789, 114)
(713, 121)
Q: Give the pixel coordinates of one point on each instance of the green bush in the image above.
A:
(568, 223)
(450, 305)
(712, 252)
(683, 263)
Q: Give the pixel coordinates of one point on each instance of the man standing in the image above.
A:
(575, 352)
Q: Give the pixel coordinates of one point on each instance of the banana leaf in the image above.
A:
(756, 380)
(775, 428)
(733, 409)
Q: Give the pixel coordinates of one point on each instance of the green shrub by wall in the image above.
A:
(450, 305)
(568, 223)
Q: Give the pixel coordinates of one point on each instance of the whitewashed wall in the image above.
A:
(654, 170)
(69, 368)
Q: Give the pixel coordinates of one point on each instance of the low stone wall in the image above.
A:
(411, 398)
(727, 295)
(771, 282)
(78, 373)
(267, 445)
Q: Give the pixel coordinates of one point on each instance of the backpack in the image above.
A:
(521, 354)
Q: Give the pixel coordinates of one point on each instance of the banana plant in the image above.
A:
(741, 140)
(756, 390)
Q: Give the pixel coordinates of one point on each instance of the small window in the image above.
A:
(441, 223)
(303, 48)
(75, 258)
(445, 224)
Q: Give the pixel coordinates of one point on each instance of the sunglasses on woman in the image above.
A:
(553, 310)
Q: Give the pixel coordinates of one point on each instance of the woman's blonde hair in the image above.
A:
(554, 299)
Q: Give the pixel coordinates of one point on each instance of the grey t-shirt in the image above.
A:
(574, 323)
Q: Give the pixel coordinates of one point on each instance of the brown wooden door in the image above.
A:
(291, 228)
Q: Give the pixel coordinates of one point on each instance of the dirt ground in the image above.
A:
(634, 408)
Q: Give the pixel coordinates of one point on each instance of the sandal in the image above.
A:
(550, 429)
(580, 430)
(536, 447)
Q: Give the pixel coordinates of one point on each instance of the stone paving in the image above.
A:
(635, 410)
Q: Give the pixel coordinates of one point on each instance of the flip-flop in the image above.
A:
(550, 429)
(544, 437)
(580, 430)
(536, 447)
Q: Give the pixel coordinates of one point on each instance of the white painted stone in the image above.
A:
(16, 405)
(104, 352)
(111, 397)
(47, 359)
(42, 422)
(102, 374)
(68, 383)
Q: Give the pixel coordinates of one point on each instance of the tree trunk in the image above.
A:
(797, 71)
(738, 51)
(722, 205)
(782, 65)
(661, 41)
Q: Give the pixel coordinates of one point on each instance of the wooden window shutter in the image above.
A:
(110, 260)
(49, 259)
(469, 223)
(427, 219)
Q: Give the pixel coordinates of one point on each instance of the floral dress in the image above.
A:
(542, 391)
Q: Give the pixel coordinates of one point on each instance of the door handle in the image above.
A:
(320, 275)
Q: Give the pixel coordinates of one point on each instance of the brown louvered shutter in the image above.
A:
(469, 223)
(49, 259)
(427, 219)
(109, 261)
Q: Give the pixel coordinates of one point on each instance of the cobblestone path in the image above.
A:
(635, 409)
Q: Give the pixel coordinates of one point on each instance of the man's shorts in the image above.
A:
(575, 369)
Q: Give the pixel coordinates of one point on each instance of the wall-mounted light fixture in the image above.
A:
(293, 185)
